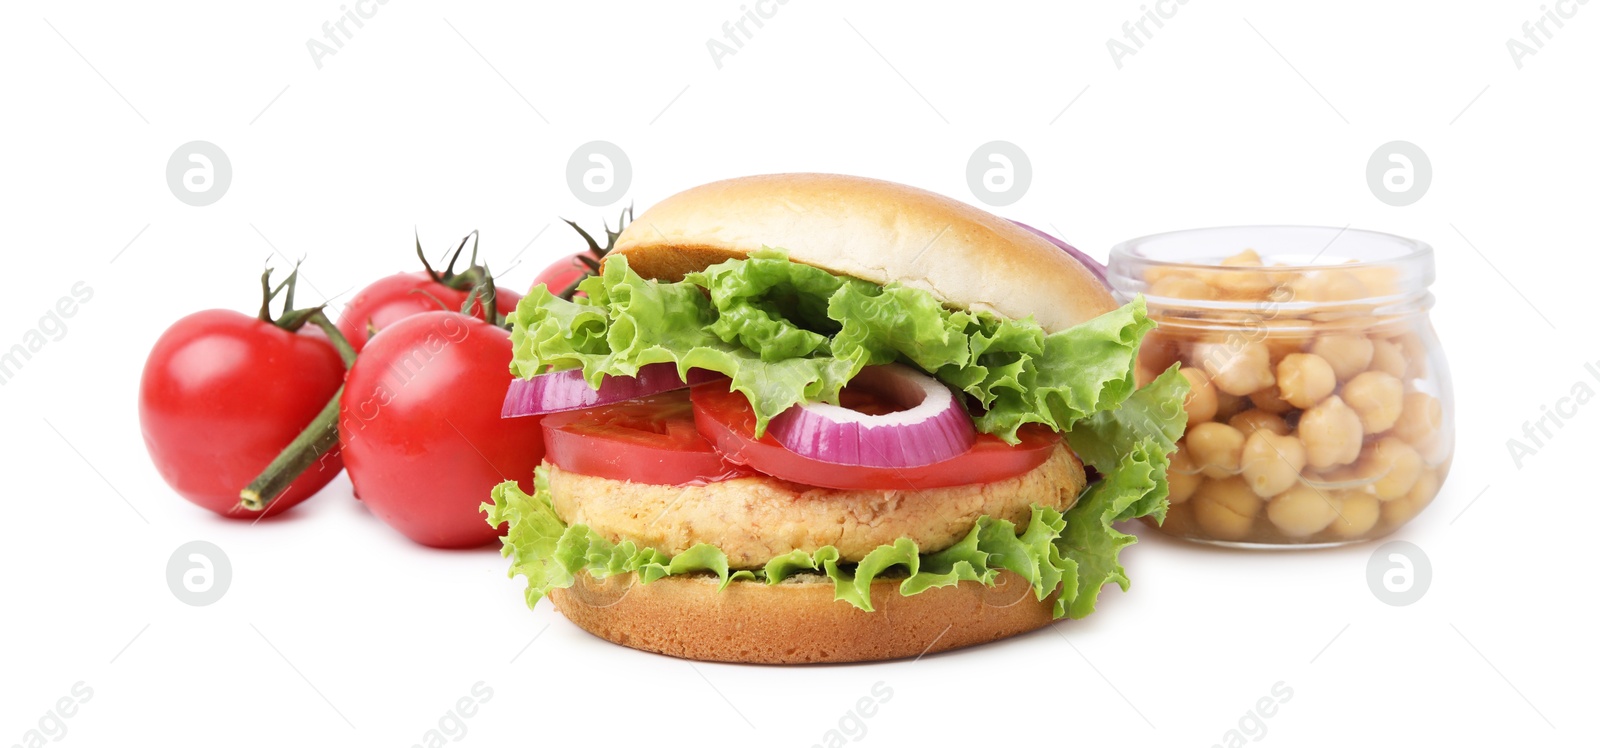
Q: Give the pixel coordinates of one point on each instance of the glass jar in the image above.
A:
(1320, 409)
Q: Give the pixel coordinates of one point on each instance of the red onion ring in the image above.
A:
(564, 390)
(931, 428)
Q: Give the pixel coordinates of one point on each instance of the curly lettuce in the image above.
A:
(1070, 555)
(787, 333)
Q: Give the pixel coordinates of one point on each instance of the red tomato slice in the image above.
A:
(727, 420)
(649, 440)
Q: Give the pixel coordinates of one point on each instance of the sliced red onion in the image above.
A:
(564, 390)
(930, 427)
(1091, 263)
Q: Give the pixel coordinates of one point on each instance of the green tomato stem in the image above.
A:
(485, 295)
(317, 439)
(462, 281)
(347, 352)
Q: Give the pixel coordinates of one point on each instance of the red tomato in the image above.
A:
(421, 428)
(222, 394)
(562, 273)
(389, 300)
(649, 440)
(727, 420)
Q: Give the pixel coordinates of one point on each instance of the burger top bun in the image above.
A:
(873, 230)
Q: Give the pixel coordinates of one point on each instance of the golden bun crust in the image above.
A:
(797, 622)
(873, 230)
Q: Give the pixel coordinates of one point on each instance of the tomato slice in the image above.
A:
(649, 440)
(727, 420)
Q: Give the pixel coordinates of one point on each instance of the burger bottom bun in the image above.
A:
(797, 622)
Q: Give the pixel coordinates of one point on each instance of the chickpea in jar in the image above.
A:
(1319, 408)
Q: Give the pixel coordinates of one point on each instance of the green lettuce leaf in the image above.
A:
(1144, 428)
(1130, 447)
(1089, 539)
(755, 301)
(533, 534)
(1071, 555)
(786, 333)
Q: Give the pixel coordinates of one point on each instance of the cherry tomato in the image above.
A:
(222, 394)
(649, 440)
(727, 420)
(562, 273)
(389, 300)
(420, 425)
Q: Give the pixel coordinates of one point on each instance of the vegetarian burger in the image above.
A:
(818, 418)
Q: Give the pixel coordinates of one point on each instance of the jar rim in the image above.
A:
(1417, 252)
(1286, 251)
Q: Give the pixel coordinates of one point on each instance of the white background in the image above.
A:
(449, 117)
